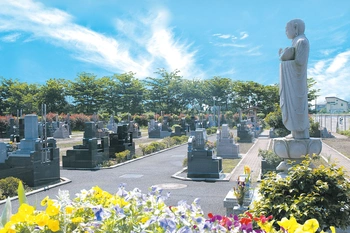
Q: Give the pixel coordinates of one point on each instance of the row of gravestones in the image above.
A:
(37, 162)
(162, 129)
(53, 129)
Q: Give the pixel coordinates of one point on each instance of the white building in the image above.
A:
(336, 105)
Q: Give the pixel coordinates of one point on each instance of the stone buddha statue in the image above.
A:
(293, 81)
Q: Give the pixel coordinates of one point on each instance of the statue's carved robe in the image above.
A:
(293, 87)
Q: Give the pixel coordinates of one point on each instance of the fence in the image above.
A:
(333, 122)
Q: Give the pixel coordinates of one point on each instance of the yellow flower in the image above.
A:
(42, 219)
(10, 227)
(52, 210)
(268, 226)
(69, 209)
(54, 225)
(333, 229)
(45, 201)
(144, 219)
(77, 220)
(25, 209)
(290, 225)
(311, 225)
(247, 169)
(17, 218)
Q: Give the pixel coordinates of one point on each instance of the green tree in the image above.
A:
(165, 92)
(87, 92)
(5, 94)
(53, 94)
(193, 94)
(130, 93)
(22, 96)
(218, 89)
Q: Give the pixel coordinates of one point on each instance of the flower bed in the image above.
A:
(96, 210)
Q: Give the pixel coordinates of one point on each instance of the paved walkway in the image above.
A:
(251, 158)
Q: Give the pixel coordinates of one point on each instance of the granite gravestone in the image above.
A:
(89, 155)
(121, 141)
(36, 162)
(62, 131)
(244, 133)
(201, 162)
(225, 144)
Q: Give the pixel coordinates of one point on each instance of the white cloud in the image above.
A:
(11, 37)
(156, 45)
(160, 48)
(339, 61)
(332, 76)
(243, 35)
(225, 36)
(231, 45)
(255, 51)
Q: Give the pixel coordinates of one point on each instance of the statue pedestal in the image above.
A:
(294, 149)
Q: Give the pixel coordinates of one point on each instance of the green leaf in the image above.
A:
(21, 194)
(6, 213)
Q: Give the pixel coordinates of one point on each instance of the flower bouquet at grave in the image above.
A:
(247, 172)
(240, 191)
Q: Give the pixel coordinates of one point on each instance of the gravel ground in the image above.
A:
(341, 145)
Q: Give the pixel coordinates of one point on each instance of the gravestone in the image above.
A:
(3, 152)
(211, 121)
(244, 133)
(36, 162)
(101, 131)
(14, 131)
(225, 144)
(121, 141)
(158, 130)
(201, 162)
(134, 128)
(112, 126)
(62, 131)
(89, 155)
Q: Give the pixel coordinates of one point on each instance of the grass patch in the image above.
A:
(229, 164)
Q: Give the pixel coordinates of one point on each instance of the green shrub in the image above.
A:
(345, 132)
(270, 157)
(149, 149)
(77, 121)
(178, 140)
(184, 139)
(322, 193)
(9, 187)
(281, 132)
(143, 148)
(169, 141)
(122, 156)
(212, 130)
(314, 129)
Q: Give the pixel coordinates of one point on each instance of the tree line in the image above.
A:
(167, 92)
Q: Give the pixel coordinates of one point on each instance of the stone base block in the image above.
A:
(290, 148)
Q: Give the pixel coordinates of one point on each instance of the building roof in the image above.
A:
(336, 98)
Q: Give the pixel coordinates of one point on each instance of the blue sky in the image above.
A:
(201, 38)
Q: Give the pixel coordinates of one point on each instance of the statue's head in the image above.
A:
(295, 28)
